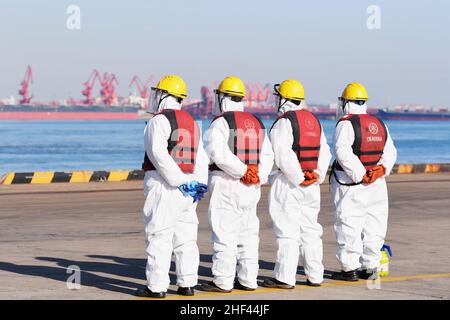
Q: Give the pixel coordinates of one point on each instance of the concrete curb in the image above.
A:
(121, 175)
(70, 177)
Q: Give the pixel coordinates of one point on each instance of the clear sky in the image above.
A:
(324, 44)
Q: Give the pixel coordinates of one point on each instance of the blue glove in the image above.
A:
(188, 189)
(194, 189)
(200, 189)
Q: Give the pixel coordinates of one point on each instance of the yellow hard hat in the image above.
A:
(173, 85)
(290, 89)
(232, 86)
(355, 91)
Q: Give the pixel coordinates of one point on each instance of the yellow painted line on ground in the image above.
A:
(81, 176)
(9, 178)
(118, 175)
(42, 177)
(302, 287)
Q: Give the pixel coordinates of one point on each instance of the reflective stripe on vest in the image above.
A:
(370, 138)
(183, 142)
(246, 136)
(306, 130)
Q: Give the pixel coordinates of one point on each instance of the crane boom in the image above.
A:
(25, 86)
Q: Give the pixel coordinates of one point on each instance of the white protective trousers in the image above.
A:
(361, 223)
(170, 226)
(294, 210)
(235, 229)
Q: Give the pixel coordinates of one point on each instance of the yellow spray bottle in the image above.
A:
(386, 252)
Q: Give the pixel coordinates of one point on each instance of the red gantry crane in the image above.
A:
(108, 91)
(89, 85)
(104, 85)
(142, 88)
(208, 96)
(25, 85)
(251, 95)
(263, 96)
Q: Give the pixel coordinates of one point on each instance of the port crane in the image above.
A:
(25, 85)
(251, 95)
(142, 88)
(89, 85)
(108, 91)
(104, 85)
(263, 96)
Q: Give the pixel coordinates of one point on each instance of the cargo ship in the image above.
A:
(196, 107)
(428, 115)
(72, 112)
(109, 106)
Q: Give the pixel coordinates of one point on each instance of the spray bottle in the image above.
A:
(386, 252)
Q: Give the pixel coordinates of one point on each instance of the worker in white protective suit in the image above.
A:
(241, 159)
(302, 156)
(365, 155)
(176, 171)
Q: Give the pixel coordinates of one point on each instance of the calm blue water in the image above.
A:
(103, 145)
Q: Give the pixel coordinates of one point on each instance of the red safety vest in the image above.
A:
(246, 136)
(370, 138)
(306, 130)
(183, 140)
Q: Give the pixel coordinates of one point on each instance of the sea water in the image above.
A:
(27, 146)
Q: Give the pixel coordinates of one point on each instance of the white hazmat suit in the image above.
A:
(361, 210)
(169, 216)
(294, 209)
(232, 209)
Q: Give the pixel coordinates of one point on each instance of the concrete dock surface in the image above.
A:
(98, 227)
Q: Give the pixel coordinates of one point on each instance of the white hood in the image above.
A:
(227, 105)
(289, 106)
(353, 108)
(159, 100)
(169, 103)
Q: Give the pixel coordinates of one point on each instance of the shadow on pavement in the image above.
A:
(118, 267)
(60, 274)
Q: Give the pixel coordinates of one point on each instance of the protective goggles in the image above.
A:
(229, 96)
(358, 102)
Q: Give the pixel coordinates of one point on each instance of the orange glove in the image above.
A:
(251, 176)
(373, 174)
(310, 178)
